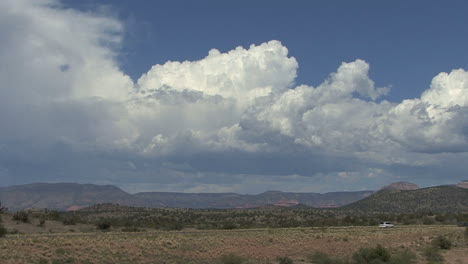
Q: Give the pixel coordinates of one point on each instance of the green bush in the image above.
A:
(440, 218)
(131, 229)
(428, 220)
(433, 255)
(375, 255)
(232, 258)
(284, 260)
(3, 231)
(322, 258)
(103, 224)
(442, 242)
(229, 226)
(404, 257)
(53, 215)
(21, 216)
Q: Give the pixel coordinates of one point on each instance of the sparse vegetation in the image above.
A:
(103, 224)
(466, 235)
(376, 255)
(442, 242)
(232, 258)
(404, 257)
(131, 229)
(323, 258)
(214, 246)
(231, 219)
(284, 260)
(3, 230)
(42, 222)
(21, 216)
(440, 199)
(206, 239)
(433, 255)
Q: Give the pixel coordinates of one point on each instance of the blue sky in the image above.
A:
(406, 42)
(244, 96)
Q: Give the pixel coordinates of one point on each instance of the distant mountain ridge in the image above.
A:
(400, 197)
(440, 199)
(63, 196)
(233, 200)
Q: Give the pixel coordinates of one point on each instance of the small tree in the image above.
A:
(103, 224)
(3, 230)
(21, 216)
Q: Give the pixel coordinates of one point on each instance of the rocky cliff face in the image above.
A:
(463, 184)
(402, 186)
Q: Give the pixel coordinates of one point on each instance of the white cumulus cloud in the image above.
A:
(228, 120)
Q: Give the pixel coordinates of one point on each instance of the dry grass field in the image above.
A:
(33, 227)
(193, 246)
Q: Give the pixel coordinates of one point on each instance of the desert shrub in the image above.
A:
(433, 255)
(229, 226)
(284, 260)
(43, 261)
(322, 258)
(232, 258)
(3, 231)
(69, 220)
(404, 257)
(466, 235)
(442, 242)
(375, 255)
(103, 224)
(428, 220)
(131, 229)
(42, 222)
(174, 226)
(440, 218)
(53, 215)
(21, 216)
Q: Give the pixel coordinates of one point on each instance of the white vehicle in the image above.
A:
(386, 225)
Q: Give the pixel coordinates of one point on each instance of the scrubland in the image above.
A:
(209, 246)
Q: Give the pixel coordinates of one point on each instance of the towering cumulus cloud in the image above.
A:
(224, 123)
(437, 122)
